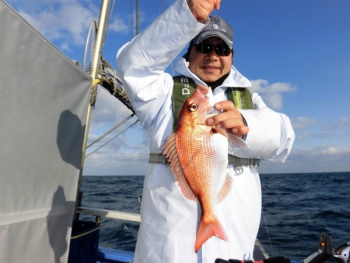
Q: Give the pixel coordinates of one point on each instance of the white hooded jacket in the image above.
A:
(169, 221)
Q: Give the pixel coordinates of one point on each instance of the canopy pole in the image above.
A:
(94, 69)
(137, 17)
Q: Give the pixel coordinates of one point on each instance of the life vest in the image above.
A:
(183, 88)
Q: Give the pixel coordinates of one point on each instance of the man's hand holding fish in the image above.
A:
(230, 119)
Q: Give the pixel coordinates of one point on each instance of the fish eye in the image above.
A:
(193, 107)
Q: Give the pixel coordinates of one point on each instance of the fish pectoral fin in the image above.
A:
(225, 189)
(171, 154)
(182, 182)
(234, 140)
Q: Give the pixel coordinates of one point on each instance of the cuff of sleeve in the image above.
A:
(245, 124)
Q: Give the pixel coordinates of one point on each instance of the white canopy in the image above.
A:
(43, 102)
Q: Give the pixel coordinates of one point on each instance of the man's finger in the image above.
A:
(217, 4)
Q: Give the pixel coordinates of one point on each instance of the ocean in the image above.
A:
(296, 209)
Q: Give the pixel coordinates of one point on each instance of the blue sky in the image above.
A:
(296, 53)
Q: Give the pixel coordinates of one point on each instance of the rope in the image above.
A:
(42, 24)
(113, 84)
(109, 21)
(108, 132)
(111, 139)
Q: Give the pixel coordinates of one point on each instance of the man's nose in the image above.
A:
(213, 51)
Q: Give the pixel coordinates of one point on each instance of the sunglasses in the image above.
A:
(220, 50)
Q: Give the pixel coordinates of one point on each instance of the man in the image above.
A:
(169, 220)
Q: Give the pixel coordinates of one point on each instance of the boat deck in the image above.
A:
(110, 255)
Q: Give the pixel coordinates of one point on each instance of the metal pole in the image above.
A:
(100, 37)
(94, 69)
(137, 17)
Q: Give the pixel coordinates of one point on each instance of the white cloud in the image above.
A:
(108, 110)
(118, 161)
(343, 123)
(302, 136)
(344, 135)
(328, 151)
(324, 158)
(69, 21)
(123, 154)
(66, 22)
(118, 25)
(271, 93)
(337, 130)
(301, 123)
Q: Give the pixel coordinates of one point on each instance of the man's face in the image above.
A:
(211, 66)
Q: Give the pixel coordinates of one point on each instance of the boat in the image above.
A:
(47, 101)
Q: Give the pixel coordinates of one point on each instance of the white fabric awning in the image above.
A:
(44, 99)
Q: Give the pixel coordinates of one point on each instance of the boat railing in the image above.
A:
(98, 212)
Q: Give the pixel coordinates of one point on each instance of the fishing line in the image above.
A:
(161, 5)
(131, 20)
(229, 226)
(215, 13)
(267, 230)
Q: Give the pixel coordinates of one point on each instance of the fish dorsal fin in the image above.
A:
(225, 189)
(169, 150)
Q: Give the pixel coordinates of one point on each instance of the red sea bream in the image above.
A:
(198, 157)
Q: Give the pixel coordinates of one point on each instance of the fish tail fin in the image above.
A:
(206, 230)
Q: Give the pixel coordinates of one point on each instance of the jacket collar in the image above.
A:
(234, 79)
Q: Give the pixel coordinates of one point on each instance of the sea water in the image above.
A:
(296, 209)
